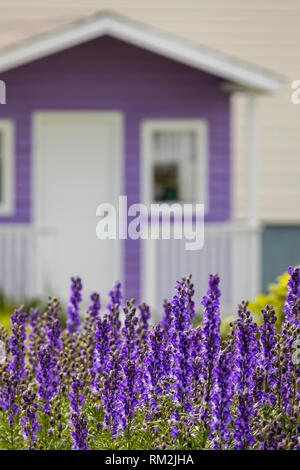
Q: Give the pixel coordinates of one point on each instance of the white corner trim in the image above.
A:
(142, 36)
(252, 161)
(8, 167)
(200, 127)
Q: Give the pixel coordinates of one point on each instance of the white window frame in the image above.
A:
(200, 128)
(8, 166)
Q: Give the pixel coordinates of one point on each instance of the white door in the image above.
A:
(77, 167)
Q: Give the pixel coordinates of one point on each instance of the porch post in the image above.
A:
(252, 161)
(253, 222)
(246, 260)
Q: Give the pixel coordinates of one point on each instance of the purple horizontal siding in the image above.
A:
(107, 74)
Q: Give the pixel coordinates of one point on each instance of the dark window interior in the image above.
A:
(165, 176)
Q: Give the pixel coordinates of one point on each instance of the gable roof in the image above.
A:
(119, 27)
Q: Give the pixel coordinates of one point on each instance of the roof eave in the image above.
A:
(147, 38)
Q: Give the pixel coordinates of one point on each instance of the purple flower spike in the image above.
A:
(292, 302)
(17, 345)
(46, 377)
(221, 401)
(73, 311)
(95, 307)
(211, 341)
(130, 366)
(76, 398)
(80, 432)
(244, 370)
(112, 317)
(16, 365)
(29, 421)
(267, 358)
(154, 367)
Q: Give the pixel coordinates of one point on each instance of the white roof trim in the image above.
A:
(142, 36)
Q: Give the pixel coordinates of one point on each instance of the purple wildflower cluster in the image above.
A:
(111, 378)
(73, 311)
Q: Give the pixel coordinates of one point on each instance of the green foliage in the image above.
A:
(151, 432)
(275, 296)
(8, 306)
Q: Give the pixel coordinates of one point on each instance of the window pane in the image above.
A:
(173, 156)
(166, 182)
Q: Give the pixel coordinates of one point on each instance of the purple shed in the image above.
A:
(108, 108)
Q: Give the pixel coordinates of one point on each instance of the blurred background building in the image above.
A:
(262, 33)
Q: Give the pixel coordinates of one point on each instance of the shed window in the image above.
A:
(6, 167)
(175, 161)
(174, 155)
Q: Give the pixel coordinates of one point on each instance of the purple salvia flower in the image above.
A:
(244, 370)
(53, 331)
(89, 329)
(46, 378)
(115, 297)
(113, 308)
(34, 317)
(110, 400)
(243, 434)
(80, 432)
(292, 302)
(180, 338)
(77, 421)
(53, 326)
(267, 358)
(197, 364)
(210, 341)
(29, 421)
(130, 366)
(289, 337)
(76, 398)
(154, 368)
(271, 436)
(73, 311)
(8, 398)
(167, 318)
(221, 401)
(142, 330)
(143, 319)
(288, 380)
(16, 365)
(101, 353)
(95, 307)
(166, 324)
(36, 337)
(17, 345)
(190, 293)
(180, 305)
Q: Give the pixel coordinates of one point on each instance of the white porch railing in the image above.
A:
(21, 249)
(232, 251)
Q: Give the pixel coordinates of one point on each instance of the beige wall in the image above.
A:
(262, 32)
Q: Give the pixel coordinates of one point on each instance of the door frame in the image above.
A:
(46, 236)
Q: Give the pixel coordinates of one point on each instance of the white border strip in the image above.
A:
(7, 130)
